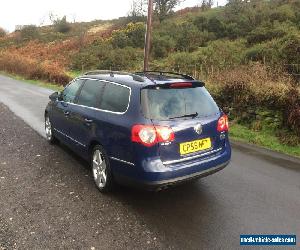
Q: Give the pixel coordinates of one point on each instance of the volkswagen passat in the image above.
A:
(152, 129)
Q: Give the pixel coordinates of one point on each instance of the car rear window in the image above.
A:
(163, 104)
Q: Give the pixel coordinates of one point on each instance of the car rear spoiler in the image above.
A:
(159, 75)
(176, 85)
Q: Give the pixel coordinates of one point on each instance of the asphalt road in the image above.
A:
(48, 199)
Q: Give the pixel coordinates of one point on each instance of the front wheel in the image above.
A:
(102, 174)
(49, 132)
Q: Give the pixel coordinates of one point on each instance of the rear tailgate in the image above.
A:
(194, 138)
(190, 111)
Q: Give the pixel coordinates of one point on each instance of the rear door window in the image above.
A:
(90, 93)
(115, 98)
(164, 104)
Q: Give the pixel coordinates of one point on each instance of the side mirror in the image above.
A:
(53, 97)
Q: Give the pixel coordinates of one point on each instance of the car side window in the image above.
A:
(90, 93)
(115, 98)
(69, 93)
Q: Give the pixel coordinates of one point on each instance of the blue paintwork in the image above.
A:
(113, 132)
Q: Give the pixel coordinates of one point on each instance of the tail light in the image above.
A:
(223, 124)
(151, 135)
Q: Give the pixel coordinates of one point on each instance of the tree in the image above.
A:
(206, 4)
(163, 8)
(138, 10)
(61, 24)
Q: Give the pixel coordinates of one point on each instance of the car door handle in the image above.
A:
(67, 113)
(88, 121)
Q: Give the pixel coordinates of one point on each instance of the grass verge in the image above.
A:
(39, 83)
(264, 138)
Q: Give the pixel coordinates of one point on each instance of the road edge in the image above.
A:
(266, 151)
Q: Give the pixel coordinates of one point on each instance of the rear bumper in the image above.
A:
(153, 174)
(163, 184)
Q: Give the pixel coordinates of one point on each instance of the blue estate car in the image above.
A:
(152, 129)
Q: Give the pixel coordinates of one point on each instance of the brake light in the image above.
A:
(181, 85)
(164, 134)
(150, 135)
(223, 124)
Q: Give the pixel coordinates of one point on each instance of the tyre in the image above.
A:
(101, 169)
(49, 130)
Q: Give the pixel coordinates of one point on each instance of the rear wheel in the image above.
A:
(101, 170)
(49, 131)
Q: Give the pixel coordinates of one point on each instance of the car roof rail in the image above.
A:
(137, 78)
(160, 74)
(113, 73)
(101, 72)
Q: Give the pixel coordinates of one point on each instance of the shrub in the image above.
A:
(162, 46)
(252, 86)
(277, 51)
(120, 39)
(292, 111)
(201, 23)
(267, 52)
(216, 26)
(221, 54)
(133, 35)
(90, 56)
(32, 69)
(122, 59)
(290, 48)
(248, 90)
(29, 32)
(262, 34)
(218, 55)
(62, 25)
(180, 62)
(283, 13)
(102, 56)
(136, 34)
(189, 38)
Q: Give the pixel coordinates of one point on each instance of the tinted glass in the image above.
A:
(163, 104)
(69, 93)
(90, 93)
(115, 98)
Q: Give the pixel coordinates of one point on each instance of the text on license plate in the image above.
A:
(195, 146)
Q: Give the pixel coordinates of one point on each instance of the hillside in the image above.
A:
(248, 53)
(194, 40)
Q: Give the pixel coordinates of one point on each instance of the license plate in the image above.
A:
(195, 146)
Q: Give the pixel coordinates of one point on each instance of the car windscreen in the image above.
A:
(165, 104)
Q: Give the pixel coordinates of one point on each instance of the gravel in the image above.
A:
(48, 199)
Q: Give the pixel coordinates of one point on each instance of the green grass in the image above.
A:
(39, 83)
(265, 138)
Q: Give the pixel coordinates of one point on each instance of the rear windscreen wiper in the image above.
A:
(183, 116)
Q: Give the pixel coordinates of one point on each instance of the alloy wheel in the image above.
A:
(99, 169)
(48, 128)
